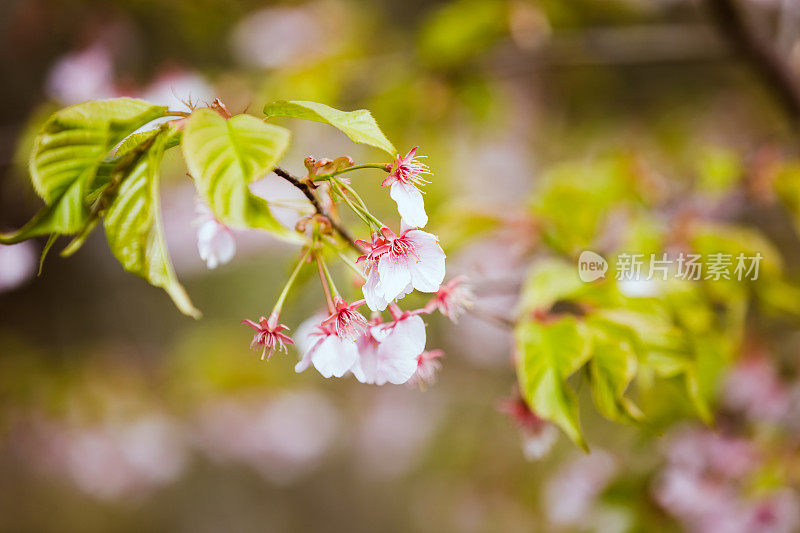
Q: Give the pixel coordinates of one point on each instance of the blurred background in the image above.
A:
(117, 413)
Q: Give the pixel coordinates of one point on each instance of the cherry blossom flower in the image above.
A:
(403, 181)
(82, 75)
(269, 335)
(17, 264)
(215, 242)
(117, 458)
(177, 88)
(570, 497)
(705, 481)
(283, 436)
(330, 354)
(754, 388)
(398, 264)
(452, 299)
(538, 435)
(388, 353)
(428, 364)
(778, 513)
(347, 322)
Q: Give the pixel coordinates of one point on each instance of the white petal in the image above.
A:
(410, 204)
(225, 245)
(397, 353)
(408, 290)
(406, 338)
(396, 370)
(303, 337)
(427, 269)
(365, 367)
(374, 297)
(305, 361)
(334, 356)
(394, 276)
(215, 243)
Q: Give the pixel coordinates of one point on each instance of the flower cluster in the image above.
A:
(375, 350)
(707, 484)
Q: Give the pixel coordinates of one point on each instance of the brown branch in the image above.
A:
(308, 193)
(759, 53)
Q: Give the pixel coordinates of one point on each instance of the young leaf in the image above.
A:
(67, 154)
(613, 366)
(549, 354)
(358, 125)
(133, 226)
(224, 156)
(547, 282)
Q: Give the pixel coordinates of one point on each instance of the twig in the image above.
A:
(759, 53)
(306, 190)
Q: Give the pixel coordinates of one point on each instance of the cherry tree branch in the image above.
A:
(309, 194)
(759, 53)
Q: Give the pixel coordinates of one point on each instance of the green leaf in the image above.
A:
(573, 201)
(457, 31)
(548, 354)
(613, 366)
(547, 282)
(225, 156)
(134, 230)
(136, 139)
(67, 154)
(358, 125)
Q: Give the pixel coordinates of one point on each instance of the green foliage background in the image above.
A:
(616, 147)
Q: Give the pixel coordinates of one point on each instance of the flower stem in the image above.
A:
(328, 277)
(363, 213)
(324, 277)
(347, 261)
(344, 187)
(395, 311)
(292, 277)
(356, 209)
(325, 177)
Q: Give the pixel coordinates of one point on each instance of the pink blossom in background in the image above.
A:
(702, 451)
(283, 437)
(18, 263)
(495, 267)
(707, 484)
(278, 36)
(778, 512)
(392, 433)
(83, 75)
(114, 460)
(538, 435)
(688, 495)
(570, 495)
(754, 388)
(176, 88)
